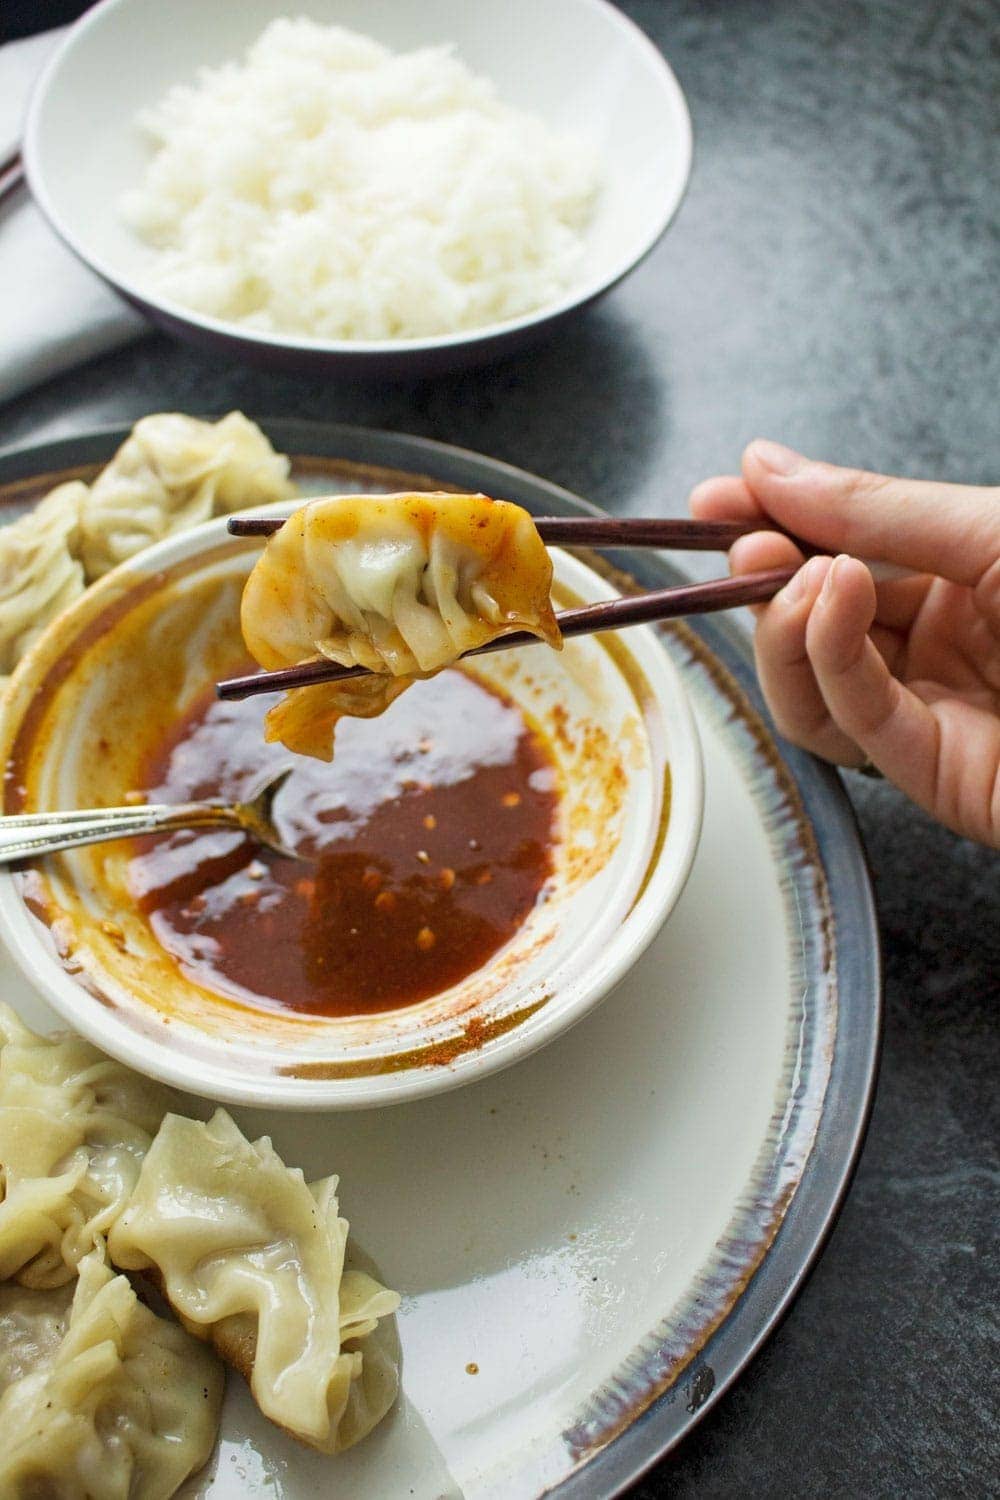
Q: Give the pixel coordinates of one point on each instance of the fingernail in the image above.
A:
(830, 582)
(804, 582)
(795, 588)
(776, 457)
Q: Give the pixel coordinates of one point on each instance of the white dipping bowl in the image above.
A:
(137, 648)
(579, 64)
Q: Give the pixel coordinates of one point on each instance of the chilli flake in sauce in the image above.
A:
(427, 843)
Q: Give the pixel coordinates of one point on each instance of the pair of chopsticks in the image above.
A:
(610, 614)
(11, 174)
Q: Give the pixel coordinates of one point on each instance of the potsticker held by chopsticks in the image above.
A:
(396, 585)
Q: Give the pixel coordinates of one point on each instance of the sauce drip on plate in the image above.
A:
(428, 842)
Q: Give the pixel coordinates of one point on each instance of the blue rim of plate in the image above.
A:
(650, 1428)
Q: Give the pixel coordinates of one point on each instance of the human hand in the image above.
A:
(904, 674)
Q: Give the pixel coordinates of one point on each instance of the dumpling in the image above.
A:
(39, 570)
(399, 584)
(173, 472)
(32, 1326)
(74, 1127)
(100, 1399)
(250, 1256)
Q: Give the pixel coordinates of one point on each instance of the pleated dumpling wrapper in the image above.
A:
(171, 473)
(252, 1257)
(98, 1395)
(399, 584)
(40, 573)
(74, 1128)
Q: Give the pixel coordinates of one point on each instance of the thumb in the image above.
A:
(949, 529)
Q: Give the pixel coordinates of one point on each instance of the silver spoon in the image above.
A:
(28, 834)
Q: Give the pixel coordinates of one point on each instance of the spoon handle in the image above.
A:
(27, 834)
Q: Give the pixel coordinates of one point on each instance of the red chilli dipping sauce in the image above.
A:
(427, 842)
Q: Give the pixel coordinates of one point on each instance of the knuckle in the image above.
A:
(780, 644)
(802, 725)
(862, 484)
(870, 713)
(987, 593)
(786, 726)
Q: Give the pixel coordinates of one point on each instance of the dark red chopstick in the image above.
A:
(590, 531)
(610, 614)
(11, 174)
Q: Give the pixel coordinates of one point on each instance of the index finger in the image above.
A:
(725, 498)
(952, 530)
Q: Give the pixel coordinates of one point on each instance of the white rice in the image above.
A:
(329, 188)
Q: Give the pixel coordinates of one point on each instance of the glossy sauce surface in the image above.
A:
(428, 842)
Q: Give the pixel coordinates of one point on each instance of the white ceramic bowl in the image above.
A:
(580, 64)
(139, 646)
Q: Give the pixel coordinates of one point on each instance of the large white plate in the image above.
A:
(592, 1244)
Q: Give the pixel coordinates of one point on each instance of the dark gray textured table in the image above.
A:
(830, 281)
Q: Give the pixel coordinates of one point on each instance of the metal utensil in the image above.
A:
(25, 835)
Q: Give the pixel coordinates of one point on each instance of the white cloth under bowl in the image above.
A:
(54, 313)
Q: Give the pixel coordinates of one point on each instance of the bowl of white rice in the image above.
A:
(365, 189)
